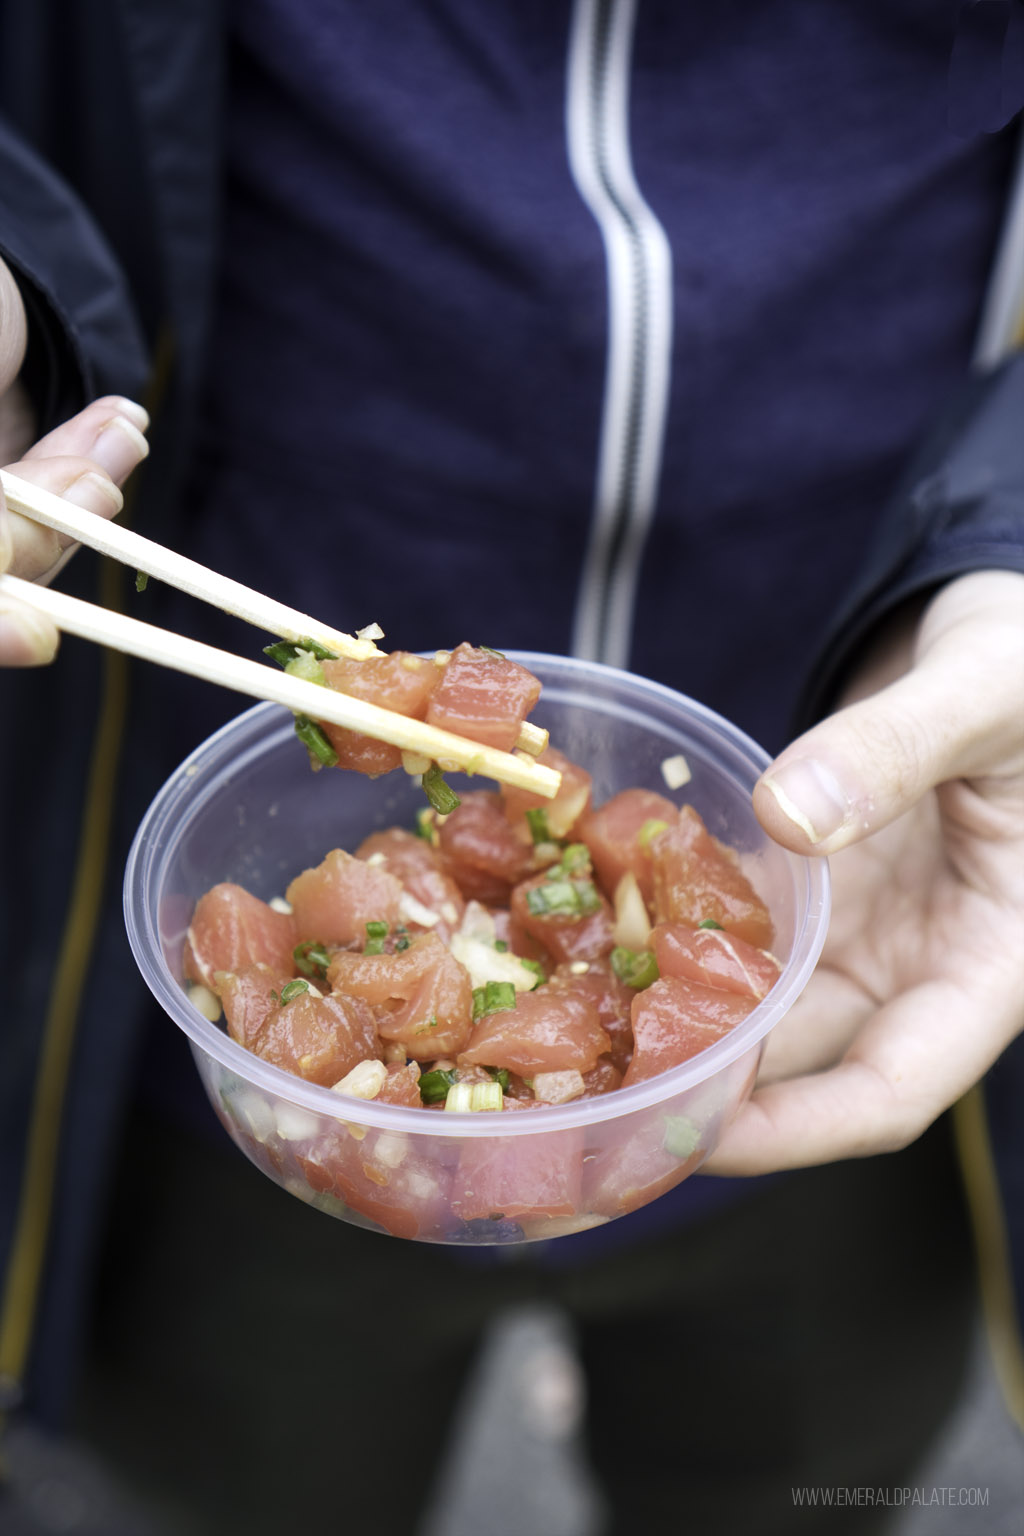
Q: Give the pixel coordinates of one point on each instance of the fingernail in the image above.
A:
(92, 491)
(135, 412)
(810, 795)
(26, 639)
(119, 447)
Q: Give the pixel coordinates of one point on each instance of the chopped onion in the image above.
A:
(632, 924)
(364, 1081)
(294, 1124)
(563, 813)
(558, 1087)
(370, 632)
(205, 1002)
(416, 912)
(415, 762)
(485, 963)
(391, 1149)
(280, 905)
(676, 771)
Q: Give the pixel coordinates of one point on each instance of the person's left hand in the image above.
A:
(917, 788)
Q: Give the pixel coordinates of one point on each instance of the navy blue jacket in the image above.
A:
(419, 213)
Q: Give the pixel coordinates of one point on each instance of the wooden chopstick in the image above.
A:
(120, 543)
(110, 538)
(263, 682)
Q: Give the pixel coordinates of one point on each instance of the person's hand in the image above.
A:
(85, 460)
(917, 788)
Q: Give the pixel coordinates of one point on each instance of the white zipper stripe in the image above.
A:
(639, 265)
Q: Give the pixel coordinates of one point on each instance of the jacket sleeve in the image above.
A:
(84, 337)
(960, 508)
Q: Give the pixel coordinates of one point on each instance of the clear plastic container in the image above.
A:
(245, 807)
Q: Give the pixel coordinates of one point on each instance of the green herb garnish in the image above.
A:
(489, 651)
(376, 933)
(560, 897)
(537, 969)
(576, 858)
(425, 824)
(637, 968)
(709, 922)
(441, 796)
(141, 580)
(311, 958)
(537, 821)
(434, 1085)
(293, 990)
(493, 997)
(306, 667)
(284, 651)
(649, 830)
(321, 753)
(500, 1075)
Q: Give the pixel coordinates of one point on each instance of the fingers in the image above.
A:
(956, 712)
(913, 1061)
(27, 639)
(84, 460)
(34, 550)
(109, 432)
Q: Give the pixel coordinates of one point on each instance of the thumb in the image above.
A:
(956, 713)
(27, 638)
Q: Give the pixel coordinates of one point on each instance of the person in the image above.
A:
(405, 357)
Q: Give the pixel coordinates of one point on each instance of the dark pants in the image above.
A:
(259, 1366)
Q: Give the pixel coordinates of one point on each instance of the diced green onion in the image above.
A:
(466, 1098)
(493, 997)
(561, 897)
(537, 969)
(709, 922)
(681, 1137)
(576, 858)
(637, 968)
(650, 830)
(488, 651)
(293, 989)
(377, 929)
(441, 796)
(311, 958)
(500, 1075)
(306, 666)
(537, 821)
(315, 742)
(141, 581)
(434, 1085)
(402, 943)
(425, 824)
(555, 897)
(501, 945)
(284, 651)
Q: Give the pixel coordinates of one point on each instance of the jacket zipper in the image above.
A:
(639, 267)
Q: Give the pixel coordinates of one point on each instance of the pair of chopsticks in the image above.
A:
(147, 641)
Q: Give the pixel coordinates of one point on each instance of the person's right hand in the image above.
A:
(84, 460)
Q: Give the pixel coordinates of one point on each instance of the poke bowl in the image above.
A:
(246, 808)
